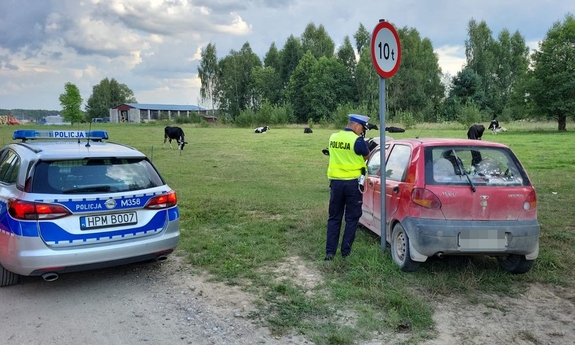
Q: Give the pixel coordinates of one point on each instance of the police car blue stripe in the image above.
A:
(173, 214)
(84, 205)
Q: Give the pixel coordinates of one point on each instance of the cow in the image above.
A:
(475, 132)
(495, 128)
(262, 129)
(394, 129)
(493, 125)
(307, 130)
(175, 133)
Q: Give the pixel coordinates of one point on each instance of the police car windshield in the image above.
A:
(93, 176)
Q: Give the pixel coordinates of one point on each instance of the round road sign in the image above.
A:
(385, 49)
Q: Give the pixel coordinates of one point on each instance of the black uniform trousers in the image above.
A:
(345, 199)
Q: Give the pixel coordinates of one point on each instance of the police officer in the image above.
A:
(347, 153)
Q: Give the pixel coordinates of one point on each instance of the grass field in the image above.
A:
(253, 203)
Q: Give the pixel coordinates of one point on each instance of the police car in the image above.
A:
(70, 201)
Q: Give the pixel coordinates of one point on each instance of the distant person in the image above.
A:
(475, 132)
(347, 154)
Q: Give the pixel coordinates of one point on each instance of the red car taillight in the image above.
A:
(163, 201)
(425, 198)
(28, 210)
(530, 201)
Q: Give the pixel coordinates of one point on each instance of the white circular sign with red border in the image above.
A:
(385, 49)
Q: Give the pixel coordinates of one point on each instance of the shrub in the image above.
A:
(469, 114)
(406, 118)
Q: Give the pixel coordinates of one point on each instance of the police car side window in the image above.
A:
(9, 166)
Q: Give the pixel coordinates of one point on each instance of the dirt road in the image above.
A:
(156, 303)
(167, 303)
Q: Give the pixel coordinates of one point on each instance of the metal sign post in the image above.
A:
(386, 55)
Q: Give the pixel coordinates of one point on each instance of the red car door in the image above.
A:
(398, 158)
(371, 183)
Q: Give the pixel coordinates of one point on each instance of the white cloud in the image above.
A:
(451, 59)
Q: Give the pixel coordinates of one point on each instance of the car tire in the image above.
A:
(400, 250)
(515, 264)
(8, 278)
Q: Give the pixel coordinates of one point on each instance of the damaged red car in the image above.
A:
(453, 197)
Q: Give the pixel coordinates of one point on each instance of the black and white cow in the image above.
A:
(475, 132)
(175, 133)
(262, 129)
(495, 128)
(493, 125)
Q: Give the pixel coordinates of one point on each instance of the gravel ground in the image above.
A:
(158, 303)
(167, 303)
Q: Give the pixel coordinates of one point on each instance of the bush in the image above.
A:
(280, 115)
(470, 114)
(340, 118)
(246, 118)
(406, 118)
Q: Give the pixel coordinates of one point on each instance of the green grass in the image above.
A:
(250, 203)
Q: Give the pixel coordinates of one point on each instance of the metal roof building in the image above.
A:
(141, 112)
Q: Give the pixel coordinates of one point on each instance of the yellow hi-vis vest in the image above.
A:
(344, 163)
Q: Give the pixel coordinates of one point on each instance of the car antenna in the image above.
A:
(89, 133)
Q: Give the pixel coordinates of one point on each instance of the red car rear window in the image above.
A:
(486, 166)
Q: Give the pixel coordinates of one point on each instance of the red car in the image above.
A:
(453, 197)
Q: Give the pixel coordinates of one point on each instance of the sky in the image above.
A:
(154, 46)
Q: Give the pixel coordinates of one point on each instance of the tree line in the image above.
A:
(105, 95)
(308, 80)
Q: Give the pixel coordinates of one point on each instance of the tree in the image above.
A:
(108, 94)
(317, 41)
(296, 89)
(512, 56)
(465, 93)
(552, 87)
(208, 73)
(290, 57)
(267, 85)
(480, 54)
(235, 84)
(362, 39)
(71, 101)
(329, 85)
(416, 87)
(272, 58)
(500, 64)
(367, 83)
(346, 55)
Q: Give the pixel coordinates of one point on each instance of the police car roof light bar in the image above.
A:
(27, 134)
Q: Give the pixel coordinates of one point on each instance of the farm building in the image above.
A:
(136, 112)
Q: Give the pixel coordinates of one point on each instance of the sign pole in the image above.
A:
(382, 168)
(385, 55)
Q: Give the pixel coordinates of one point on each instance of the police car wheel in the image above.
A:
(8, 278)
